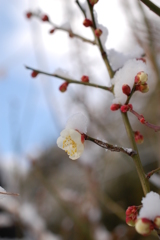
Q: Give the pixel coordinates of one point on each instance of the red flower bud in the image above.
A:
(98, 32)
(126, 107)
(138, 137)
(34, 74)
(126, 89)
(87, 22)
(45, 18)
(115, 107)
(141, 59)
(92, 2)
(29, 15)
(131, 215)
(85, 78)
(63, 87)
(52, 30)
(142, 120)
(82, 138)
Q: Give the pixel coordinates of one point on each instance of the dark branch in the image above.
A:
(154, 8)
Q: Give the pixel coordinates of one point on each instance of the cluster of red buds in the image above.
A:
(64, 86)
(141, 82)
(131, 215)
(138, 137)
(126, 107)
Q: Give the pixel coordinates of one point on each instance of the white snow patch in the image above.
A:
(151, 206)
(78, 121)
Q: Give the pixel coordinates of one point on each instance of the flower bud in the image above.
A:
(52, 30)
(142, 120)
(87, 22)
(63, 87)
(85, 78)
(131, 215)
(98, 32)
(125, 108)
(157, 221)
(141, 78)
(115, 107)
(126, 89)
(45, 18)
(34, 74)
(142, 88)
(141, 59)
(29, 15)
(92, 2)
(144, 226)
(138, 137)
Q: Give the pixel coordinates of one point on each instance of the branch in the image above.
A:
(79, 5)
(152, 172)
(143, 121)
(154, 8)
(99, 43)
(111, 147)
(69, 31)
(71, 80)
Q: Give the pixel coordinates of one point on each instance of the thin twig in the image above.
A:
(99, 43)
(79, 5)
(111, 147)
(143, 121)
(154, 8)
(10, 194)
(71, 80)
(69, 31)
(148, 175)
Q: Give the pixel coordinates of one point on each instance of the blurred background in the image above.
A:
(61, 199)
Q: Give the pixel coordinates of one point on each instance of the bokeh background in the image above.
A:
(59, 198)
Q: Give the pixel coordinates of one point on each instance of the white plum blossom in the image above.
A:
(71, 139)
(70, 142)
(126, 75)
(151, 206)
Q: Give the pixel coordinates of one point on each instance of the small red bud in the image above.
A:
(131, 215)
(115, 107)
(85, 78)
(71, 34)
(45, 18)
(126, 89)
(98, 32)
(125, 108)
(138, 137)
(92, 2)
(34, 74)
(82, 138)
(63, 87)
(87, 22)
(142, 120)
(141, 59)
(52, 30)
(29, 15)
